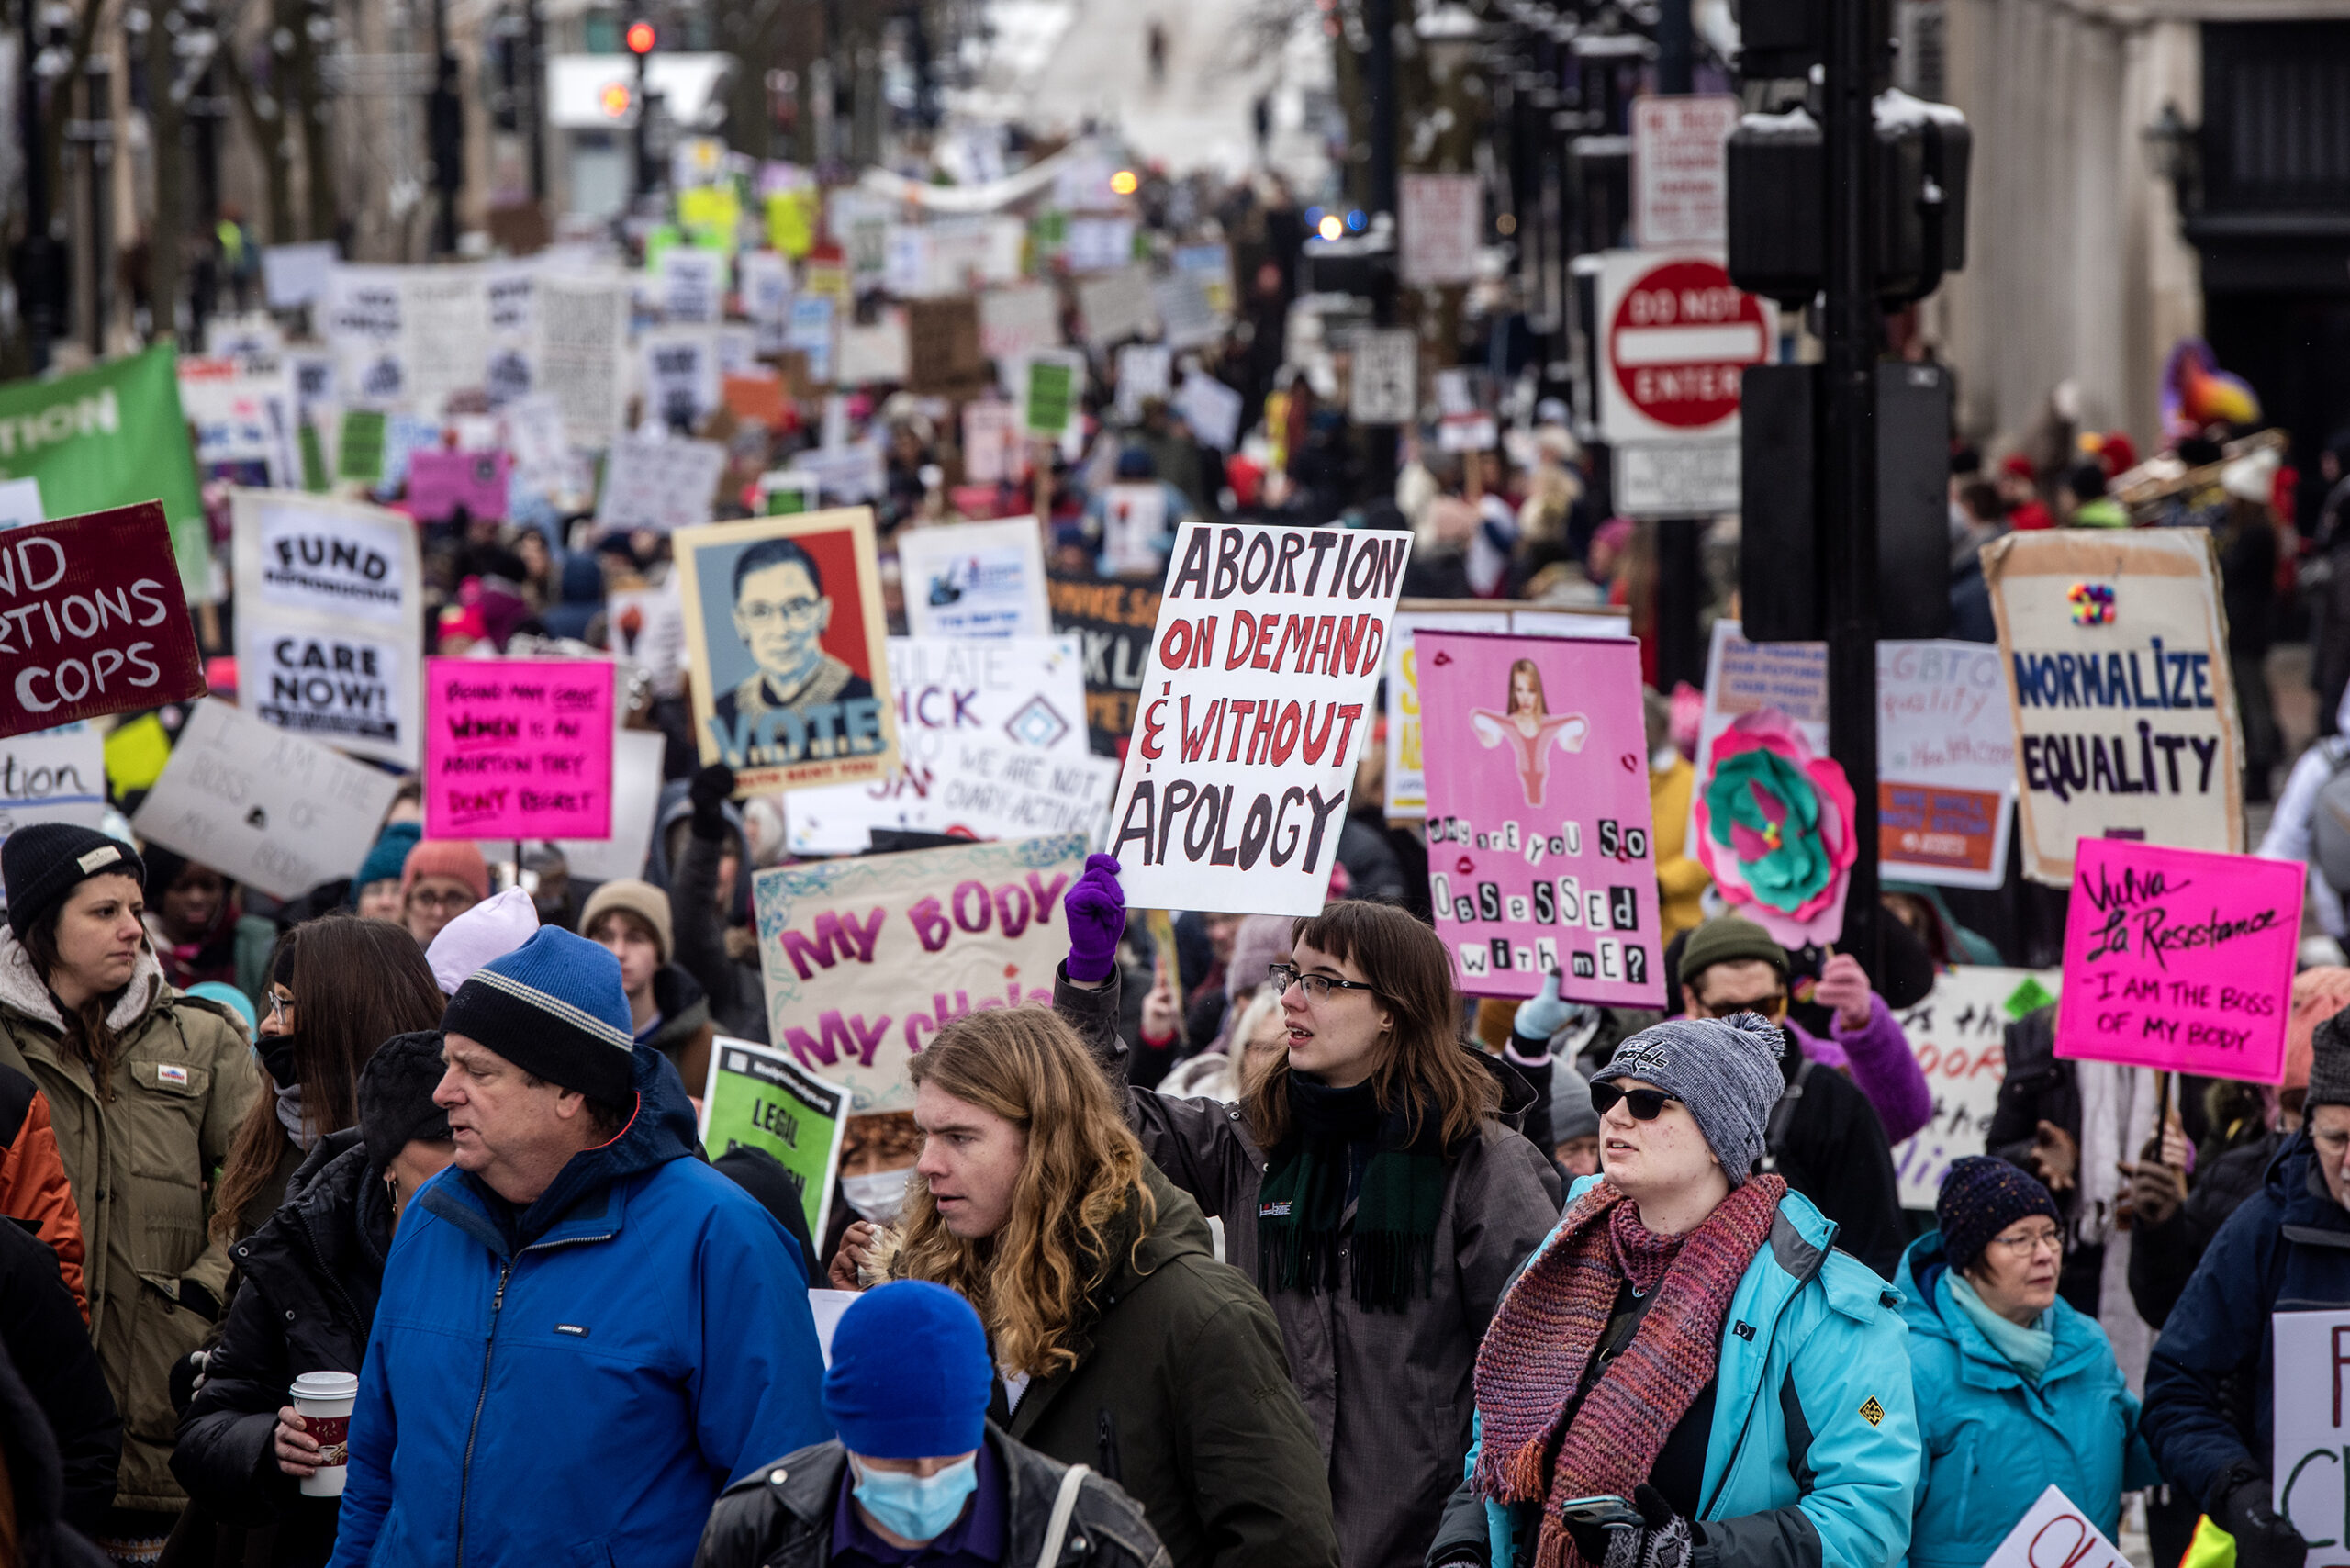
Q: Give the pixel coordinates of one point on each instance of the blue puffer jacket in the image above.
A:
(1995, 1441)
(574, 1384)
(1813, 1454)
(2210, 1380)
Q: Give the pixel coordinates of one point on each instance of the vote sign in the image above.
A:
(1679, 337)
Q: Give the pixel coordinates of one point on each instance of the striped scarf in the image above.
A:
(1531, 1367)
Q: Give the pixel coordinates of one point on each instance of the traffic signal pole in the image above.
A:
(1680, 565)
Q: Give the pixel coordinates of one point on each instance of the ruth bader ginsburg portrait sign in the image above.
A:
(784, 627)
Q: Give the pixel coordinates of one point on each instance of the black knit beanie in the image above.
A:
(1980, 1198)
(395, 1096)
(41, 866)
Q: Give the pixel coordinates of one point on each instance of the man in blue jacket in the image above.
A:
(586, 1333)
(2210, 1416)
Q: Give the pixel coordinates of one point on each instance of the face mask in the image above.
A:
(879, 1197)
(918, 1507)
(276, 1052)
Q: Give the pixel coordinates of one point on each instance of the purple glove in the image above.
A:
(1095, 907)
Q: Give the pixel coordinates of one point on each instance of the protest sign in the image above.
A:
(517, 748)
(1540, 855)
(52, 776)
(1098, 244)
(636, 801)
(362, 325)
(2123, 700)
(1018, 321)
(783, 629)
(807, 331)
(239, 411)
(1946, 771)
(1113, 622)
(354, 690)
(1021, 694)
(2179, 958)
(693, 284)
(440, 483)
(787, 492)
(20, 503)
(1440, 222)
(943, 348)
(1134, 529)
(107, 438)
(682, 380)
(1144, 371)
(991, 442)
(759, 1098)
(1255, 702)
(1210, 265)
(1188, 316)
(359, 446)
(2055, 1533)
(1117, 305)
(309, 554)
(1958, 1036)
(1211, 408)
(294, 275)
(865, 957)
(975, 580)
(444, 334)
(1053, 383)
(647, 628)
(92, 620)
(2311, 1429)
(875, 352)
(579, 331)
(267, 808)
(659, 484)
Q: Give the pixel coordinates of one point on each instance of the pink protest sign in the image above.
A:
(1539, 838)
(2179, 958)
(440, 481)
(517, 748)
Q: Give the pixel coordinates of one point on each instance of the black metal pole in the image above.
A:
(36, 264)
(534, 54)
(1676, 48)
(446, 129)
(1679, 592)
(641, 142)
(1379, 104)
(1848, 471)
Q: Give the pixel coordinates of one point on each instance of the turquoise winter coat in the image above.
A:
(1994, 1440)
(1813, 1455)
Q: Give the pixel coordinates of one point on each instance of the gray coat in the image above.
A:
(1396, 1442)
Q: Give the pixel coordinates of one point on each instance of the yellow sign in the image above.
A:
(791, 221)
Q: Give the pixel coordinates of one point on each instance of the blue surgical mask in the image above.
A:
(918, 1507)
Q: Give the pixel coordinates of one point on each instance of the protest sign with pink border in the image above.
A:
(440, 481)
(517, 748)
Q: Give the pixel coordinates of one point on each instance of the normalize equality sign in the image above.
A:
(517, 748)
(1540, 849)
(1257, 700)
(92, 619)
(2311, 1429)
(2179, 959)
(865, 958)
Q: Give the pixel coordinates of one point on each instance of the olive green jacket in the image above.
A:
(141, 1160)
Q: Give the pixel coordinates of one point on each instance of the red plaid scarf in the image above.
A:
(1539, 1346)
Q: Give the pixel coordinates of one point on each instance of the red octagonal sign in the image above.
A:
(1680, 338)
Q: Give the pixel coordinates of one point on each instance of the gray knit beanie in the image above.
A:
(1725, 1069)
(2330, 1063)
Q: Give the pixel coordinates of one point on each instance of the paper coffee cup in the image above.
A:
(323, 1400)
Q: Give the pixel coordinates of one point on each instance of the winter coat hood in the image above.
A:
(1927, 1307)
(28, 992)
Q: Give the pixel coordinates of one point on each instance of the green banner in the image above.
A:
(110, 437)
(761, 1099)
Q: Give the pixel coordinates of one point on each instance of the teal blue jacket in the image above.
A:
(1813, 1455)
(1994, 1440)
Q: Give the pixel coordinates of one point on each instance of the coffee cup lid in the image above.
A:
(326, 1385)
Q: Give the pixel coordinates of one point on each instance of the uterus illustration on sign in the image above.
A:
(1530, 729)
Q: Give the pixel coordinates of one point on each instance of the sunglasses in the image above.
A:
(1645, 1104)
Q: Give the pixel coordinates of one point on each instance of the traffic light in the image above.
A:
(640, 37)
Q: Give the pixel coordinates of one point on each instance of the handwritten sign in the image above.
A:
(2055, 1533)
(2181, 960)
(1958, 1035)
(1539, 857)
(2118, 674)
(661, 485)
(865, 957)
(517, 748)
(1946, 764)
(92, 619)
(52, 776)
(2311, 1428)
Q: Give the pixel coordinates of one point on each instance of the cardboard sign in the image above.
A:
(517, 748)
(865, 957)
(1256, 702)
(975, 580)
(2125, 706)
(2311, 1427)
(783, 631)
(1539, 854)
(2180, 960)
(92, 619)
(660, 485)
(52, 776)
(1958, 1035)
(1114, 623)
(2054, 1533)
(1946, 748)
(265, 807)
(943, 354)
(441, 482)
(1015, 695)
(757, 1098)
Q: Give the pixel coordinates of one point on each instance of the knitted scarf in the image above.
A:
(1301, 1209)
(1530, 1378)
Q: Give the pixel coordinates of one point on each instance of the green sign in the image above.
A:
(1052, 393)
(111, 437)
(762, 1099)
(314, 459)
(359, 446)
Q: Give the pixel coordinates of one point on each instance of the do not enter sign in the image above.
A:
(1678, 334)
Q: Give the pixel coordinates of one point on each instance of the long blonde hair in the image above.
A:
(1031, 1281)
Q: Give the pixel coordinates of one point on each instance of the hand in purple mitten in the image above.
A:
(1095, 907)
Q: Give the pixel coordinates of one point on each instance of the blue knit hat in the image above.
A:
(910, 1377)
(390, 853)
(1980, 1198)
(554, 1007)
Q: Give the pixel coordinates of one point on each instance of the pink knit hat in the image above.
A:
(454, 857)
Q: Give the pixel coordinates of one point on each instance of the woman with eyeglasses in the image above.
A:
(1687, 1369)
(2016, 1391)
(1370, 1182)
(442, 879)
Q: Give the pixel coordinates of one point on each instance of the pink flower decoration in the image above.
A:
(1774, 829)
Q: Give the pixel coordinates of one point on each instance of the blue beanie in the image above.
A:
(555, 1008)
(910, 1377)
(384, 861)
(1980, 1198)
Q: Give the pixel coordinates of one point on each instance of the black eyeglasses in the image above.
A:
(1280, 977)
(1645, 1104)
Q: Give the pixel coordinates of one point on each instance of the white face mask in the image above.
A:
(879, 1197)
